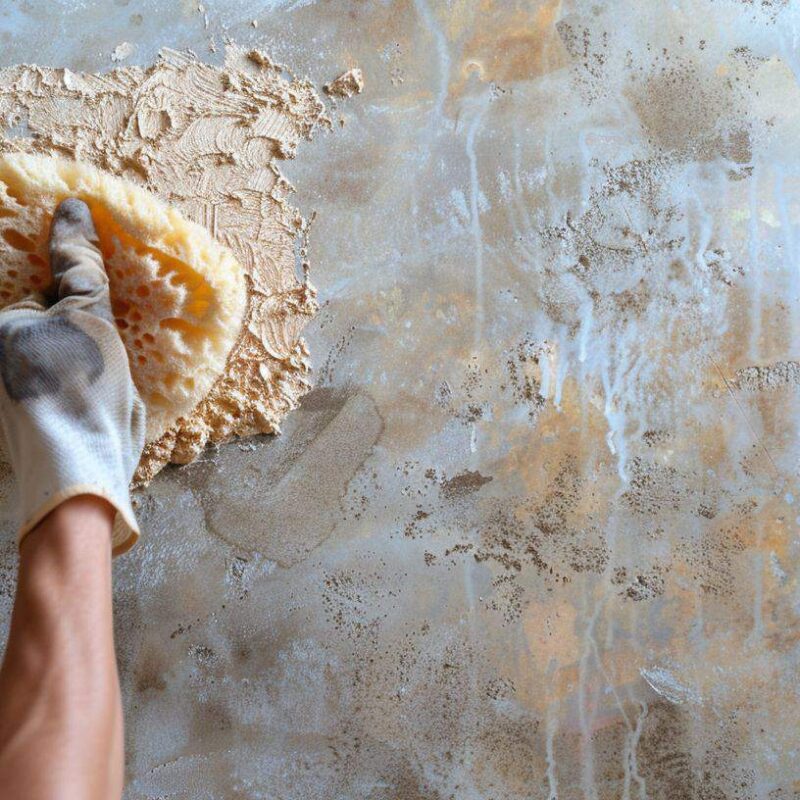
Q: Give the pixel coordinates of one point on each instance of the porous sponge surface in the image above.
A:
(178, 295)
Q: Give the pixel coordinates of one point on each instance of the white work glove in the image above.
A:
(72, 418)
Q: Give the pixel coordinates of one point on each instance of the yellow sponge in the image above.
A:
(178, 296)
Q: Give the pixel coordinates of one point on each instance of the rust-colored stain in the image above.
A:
(507, 44)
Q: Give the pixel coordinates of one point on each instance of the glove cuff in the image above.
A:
(125, 532)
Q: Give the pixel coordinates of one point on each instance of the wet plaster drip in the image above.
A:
(641, 270)
(206, 140)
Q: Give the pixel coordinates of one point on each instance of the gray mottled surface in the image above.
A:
(535, 534)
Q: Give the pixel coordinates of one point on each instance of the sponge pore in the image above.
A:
(178, 295)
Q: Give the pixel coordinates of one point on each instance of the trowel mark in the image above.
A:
(282, 500)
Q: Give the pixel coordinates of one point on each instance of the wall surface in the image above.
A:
(534, 534)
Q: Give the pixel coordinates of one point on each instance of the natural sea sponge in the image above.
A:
(178, 296)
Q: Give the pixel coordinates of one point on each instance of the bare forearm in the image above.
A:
(60, 713)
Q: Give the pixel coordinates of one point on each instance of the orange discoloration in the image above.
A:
(511, 45)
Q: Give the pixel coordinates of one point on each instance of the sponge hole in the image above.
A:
(121, 307)
(16, 195)
(151, 289)
(18, 241)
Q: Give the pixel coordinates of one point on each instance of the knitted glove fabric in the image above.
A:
(72, 419)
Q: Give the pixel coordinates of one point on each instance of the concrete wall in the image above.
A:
(534, 534)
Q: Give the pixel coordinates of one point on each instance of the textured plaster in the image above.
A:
(535, 532)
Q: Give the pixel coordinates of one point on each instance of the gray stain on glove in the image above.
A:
(39, 357)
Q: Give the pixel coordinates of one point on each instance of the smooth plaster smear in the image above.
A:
(205, 140)
(267, 510)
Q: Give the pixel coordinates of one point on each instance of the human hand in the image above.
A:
(72, 418)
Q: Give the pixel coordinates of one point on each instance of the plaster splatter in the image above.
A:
(347, 84)
(122, 51)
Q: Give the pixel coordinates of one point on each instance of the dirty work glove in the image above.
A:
(72, 418)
